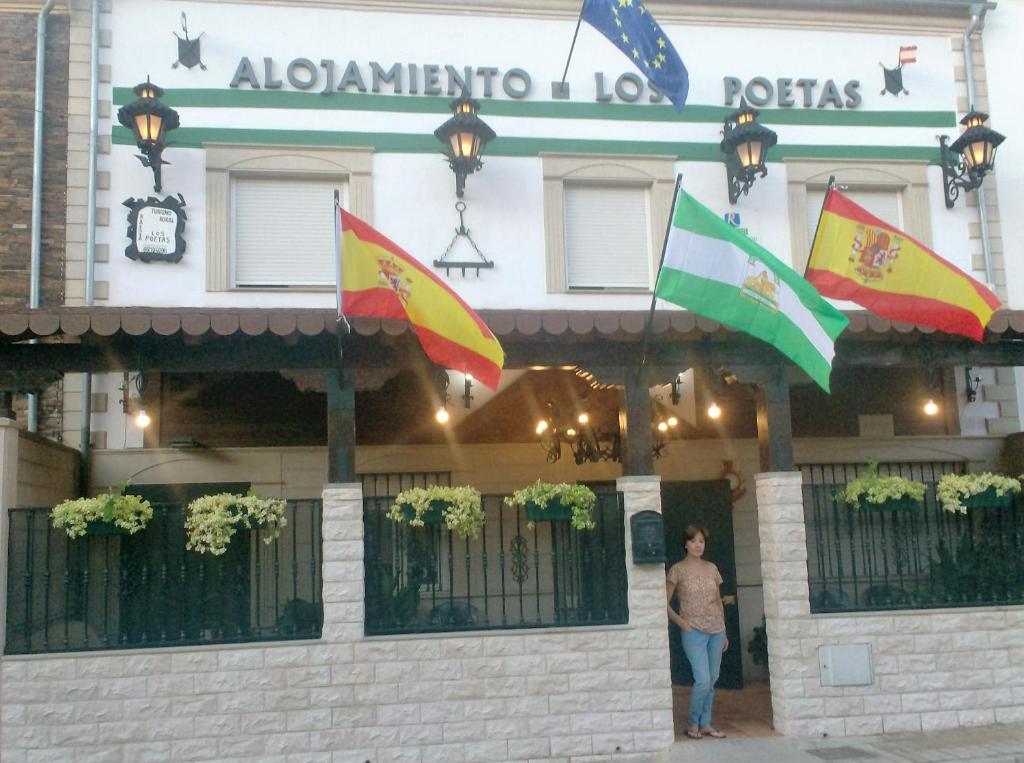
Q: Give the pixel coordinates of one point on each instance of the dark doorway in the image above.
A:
(709, 504)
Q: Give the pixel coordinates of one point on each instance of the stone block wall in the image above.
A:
(932, 668)
(580, 694)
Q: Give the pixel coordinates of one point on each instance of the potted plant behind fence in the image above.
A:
(870, 490)
(212, 520)
(458, 508)
(113, 513)
(959, 492)
(552, 502)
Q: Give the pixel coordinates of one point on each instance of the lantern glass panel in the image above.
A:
(756, 154)
(148, 127)
(977, 153)
(465, 145)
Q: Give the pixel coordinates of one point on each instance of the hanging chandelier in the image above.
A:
(588, 443)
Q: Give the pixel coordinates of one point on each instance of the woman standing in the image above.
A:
(702, 617)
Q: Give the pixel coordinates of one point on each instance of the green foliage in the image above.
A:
(757, 647)
(954, 488)
(579, 498)
(212, 520)
(981, 568)
(871, 487)
(463, 513)
(129, 512)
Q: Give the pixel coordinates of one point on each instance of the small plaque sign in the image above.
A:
(155, 229)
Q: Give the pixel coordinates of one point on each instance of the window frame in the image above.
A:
(352, 166)
(909, 179)
(655, 173)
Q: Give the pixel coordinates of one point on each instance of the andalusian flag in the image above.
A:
(713, 269)
(858, 257)
(380, 280)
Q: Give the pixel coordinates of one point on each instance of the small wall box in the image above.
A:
(648, 538)
(846, 665)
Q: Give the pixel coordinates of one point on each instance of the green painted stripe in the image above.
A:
(194, 137)
(722, 303)
(420, 104)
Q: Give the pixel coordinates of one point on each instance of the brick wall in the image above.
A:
(583, 694)
(932, 668)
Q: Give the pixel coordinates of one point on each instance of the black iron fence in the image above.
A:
(872, 559)
(146, 590)
(421, 580)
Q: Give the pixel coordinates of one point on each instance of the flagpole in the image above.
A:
(337, 264)
(579, 20)
(661, 262)
(828, 191)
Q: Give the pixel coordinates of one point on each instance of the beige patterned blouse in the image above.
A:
(698, 595)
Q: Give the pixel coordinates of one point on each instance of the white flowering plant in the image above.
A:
(460, 508)
(212, 520)
(953, 489)
(128, 512)
(870, 487)
(580, 499)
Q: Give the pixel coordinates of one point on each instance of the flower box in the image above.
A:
(904, 503)
(555, 511)
(434, 515)
(100, 527)
(987, 499)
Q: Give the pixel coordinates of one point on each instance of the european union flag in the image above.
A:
(633, 29)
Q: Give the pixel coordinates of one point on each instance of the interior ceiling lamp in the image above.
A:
(464, 137)
(745, 145)
(969, 158)
(150, 121)
(588, 444)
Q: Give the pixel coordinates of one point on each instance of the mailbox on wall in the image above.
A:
(648, 538)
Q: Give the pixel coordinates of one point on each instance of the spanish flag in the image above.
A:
(380, 280)
(858, 257)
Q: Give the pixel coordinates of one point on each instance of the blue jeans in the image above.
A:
(704, 651)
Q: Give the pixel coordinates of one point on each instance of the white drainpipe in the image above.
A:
(35, 259)
(90, 236)
(977, 24)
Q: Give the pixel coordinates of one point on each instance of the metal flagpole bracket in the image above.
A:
(462, 230)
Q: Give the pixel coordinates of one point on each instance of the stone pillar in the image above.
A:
(343, 562)
(649, 640)
(787, 607)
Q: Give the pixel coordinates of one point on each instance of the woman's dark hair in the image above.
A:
(692, 531)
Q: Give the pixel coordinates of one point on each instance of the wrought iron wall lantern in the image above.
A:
(150, 121)
(745, 145)
(464, 137)
(973, 382)
(969, 158)
(134, 403)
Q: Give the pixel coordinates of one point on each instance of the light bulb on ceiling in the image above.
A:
(583, 418)
(442, 416)
(931, 407)
(142, 419)
(673, 421)
(714, 411)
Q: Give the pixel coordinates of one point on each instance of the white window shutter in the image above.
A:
(282, 231)
(607, 237)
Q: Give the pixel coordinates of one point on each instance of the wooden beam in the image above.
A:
(774, 421)
(341, 425)
(635, 425)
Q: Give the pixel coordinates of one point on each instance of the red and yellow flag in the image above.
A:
(858, 257)
(379, 279)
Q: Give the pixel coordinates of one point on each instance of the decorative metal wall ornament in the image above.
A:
(188, 50)
(156, 229)
(894, 76)
(969, 158)
(520, 550)
(745, 144)
(464, 137)
(973, 382)
(462, 230)
(150, 121)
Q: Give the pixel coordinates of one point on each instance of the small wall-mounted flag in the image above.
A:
(908, 54)
(632, 28)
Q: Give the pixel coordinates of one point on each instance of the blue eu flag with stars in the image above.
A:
(634, 31)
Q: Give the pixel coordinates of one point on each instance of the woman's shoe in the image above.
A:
(712, 732)
(694, 733)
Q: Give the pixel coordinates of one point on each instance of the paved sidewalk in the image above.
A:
(991, 744)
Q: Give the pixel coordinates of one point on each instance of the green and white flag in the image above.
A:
(713, 269)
